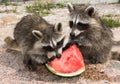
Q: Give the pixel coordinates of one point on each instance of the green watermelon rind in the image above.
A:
(78, 72)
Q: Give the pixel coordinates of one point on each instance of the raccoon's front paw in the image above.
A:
(100, 59)
(95, 61)
(31, 67)
(42, 60)
(50, 56)
(51, 59)
(74, 42)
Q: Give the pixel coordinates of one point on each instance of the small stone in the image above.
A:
(102, 71)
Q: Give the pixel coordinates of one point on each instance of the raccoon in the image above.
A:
(93, 37)
(37, 39)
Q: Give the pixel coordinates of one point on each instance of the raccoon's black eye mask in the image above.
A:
(82, 26)
(71, 24)
(48, 48)
(60, 43)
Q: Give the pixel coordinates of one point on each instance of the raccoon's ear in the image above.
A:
(58, 27)
(37, 34)
(90, 11)
(70, 7)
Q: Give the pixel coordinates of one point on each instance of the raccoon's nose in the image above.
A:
(72, 35)
(58, 55)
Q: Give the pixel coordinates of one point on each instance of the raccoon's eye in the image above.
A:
(48, 48)
(60, 43)
(82, 26)
(71, 24)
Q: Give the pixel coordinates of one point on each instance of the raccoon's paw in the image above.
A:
(31, 67)
(98, 61)
(50, 56)
(41, 59)
(51, 59)
(95, 62)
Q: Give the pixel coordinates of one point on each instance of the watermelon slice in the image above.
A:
(70, 64)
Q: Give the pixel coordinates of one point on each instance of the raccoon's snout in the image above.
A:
(58, 55)
(72, 35)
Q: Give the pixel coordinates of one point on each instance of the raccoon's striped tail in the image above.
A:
(11, 43)
(116, 42)
(115, 56)
(116, 50)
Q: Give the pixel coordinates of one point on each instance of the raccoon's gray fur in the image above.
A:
(92, 36)
(37, 39)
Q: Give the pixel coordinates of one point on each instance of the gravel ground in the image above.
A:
(12, 70)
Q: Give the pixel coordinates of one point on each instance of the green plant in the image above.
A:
(109, 15)
(39, 8)
(42, 8)
(15, 9)
(60, 5)
(111, 22)
(6, 3)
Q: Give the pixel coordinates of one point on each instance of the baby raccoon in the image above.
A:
(92, 36)
(37, 40)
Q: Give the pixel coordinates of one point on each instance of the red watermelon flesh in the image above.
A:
(70, 61)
